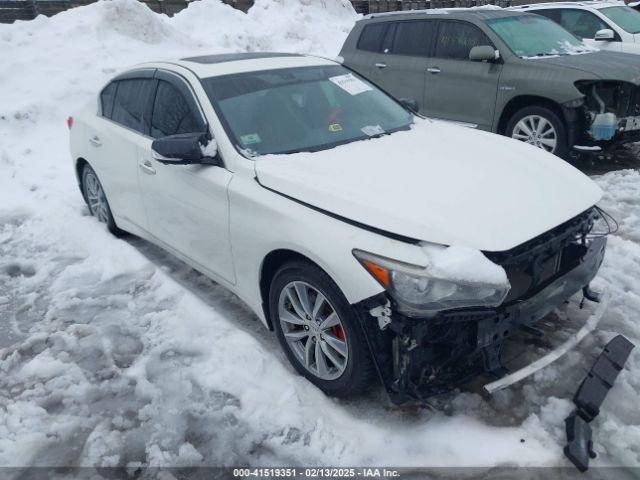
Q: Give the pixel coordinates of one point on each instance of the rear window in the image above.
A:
(413, 38)
(106, 99)
(132, 104)
(371, 37)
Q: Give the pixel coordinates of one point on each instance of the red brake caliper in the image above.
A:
(338, 331)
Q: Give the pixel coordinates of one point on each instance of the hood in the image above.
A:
(603, 64)
(439, 183)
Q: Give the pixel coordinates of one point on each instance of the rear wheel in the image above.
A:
(540, 127)
(97, 200)
(319, 331)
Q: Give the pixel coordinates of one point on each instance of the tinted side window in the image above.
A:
(132, 103)
(550, 14)
(413, 38)
(106, 99)
(581, 23)
(371, 37)
(172, 114)
(456, 39)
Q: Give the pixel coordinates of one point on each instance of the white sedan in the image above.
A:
(374, 242)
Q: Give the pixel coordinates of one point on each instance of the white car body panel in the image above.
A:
(222, 222)
(401, 184)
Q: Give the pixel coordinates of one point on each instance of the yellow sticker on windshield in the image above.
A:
(335, 127)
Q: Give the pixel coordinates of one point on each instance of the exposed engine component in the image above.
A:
(610, 107)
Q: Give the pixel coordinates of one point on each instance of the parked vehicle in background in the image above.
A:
(513, 73)
(607, 25)
(372, 241)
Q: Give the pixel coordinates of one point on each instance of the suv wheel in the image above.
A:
(97, 200)
(540, 127)
(319, 331)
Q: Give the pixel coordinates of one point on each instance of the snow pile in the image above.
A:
(52, 65)
(115, 353)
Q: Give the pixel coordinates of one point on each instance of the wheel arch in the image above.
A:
(522, 101)
(80, 163)
(270, 265)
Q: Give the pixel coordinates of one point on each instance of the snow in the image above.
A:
(114, 353)
(463, 264)
(210, 149)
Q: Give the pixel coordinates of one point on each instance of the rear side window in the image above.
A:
(106, 99)
(131, 105)
(456, 39)
(413, 38)
(371, 37)
(172, 114)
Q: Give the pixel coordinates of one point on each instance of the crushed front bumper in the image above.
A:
(420, 357)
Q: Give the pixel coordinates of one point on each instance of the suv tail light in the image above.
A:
(70, 122)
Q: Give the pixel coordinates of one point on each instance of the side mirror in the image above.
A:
(185, 149)
(410, 104)
(483, 52)
(605, 35)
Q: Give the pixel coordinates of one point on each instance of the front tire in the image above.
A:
(319, 331)
(540, 127)
(97, 200)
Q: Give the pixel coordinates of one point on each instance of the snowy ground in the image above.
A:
(114, 353)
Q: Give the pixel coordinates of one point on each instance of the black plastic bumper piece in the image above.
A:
(579, 447)
(589, 399)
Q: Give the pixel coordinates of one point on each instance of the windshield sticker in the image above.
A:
(250, 139)
(335, 127)
(350, 84)
(372, 130)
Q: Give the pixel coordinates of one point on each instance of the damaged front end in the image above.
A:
(420, 356)
(607, 116)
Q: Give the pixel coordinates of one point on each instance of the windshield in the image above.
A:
(530, 36)
(627, 18)
(302, 109)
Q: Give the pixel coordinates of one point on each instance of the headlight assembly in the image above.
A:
(418, 293)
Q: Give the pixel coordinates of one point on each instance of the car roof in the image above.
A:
(206, 66)
(478, 13)
(596, 4)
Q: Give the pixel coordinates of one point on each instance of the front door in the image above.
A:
(584, 25)
(187, 205)
(457, 88)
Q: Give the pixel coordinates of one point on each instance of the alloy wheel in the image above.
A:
(95, 197)
(538, 131)
(313, 330)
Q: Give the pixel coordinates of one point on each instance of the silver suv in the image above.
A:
(513, 73)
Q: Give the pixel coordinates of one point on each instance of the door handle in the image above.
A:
(95, 140)
(381, 65)
(147, 168)
(434, 70)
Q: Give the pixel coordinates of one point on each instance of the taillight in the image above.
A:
(70, 122)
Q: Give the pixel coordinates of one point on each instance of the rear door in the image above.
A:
(369, 44)
(115, 141)
(187, 205)
(400, 66)
(457, 88)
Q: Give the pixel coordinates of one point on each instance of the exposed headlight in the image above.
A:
(418, 294)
